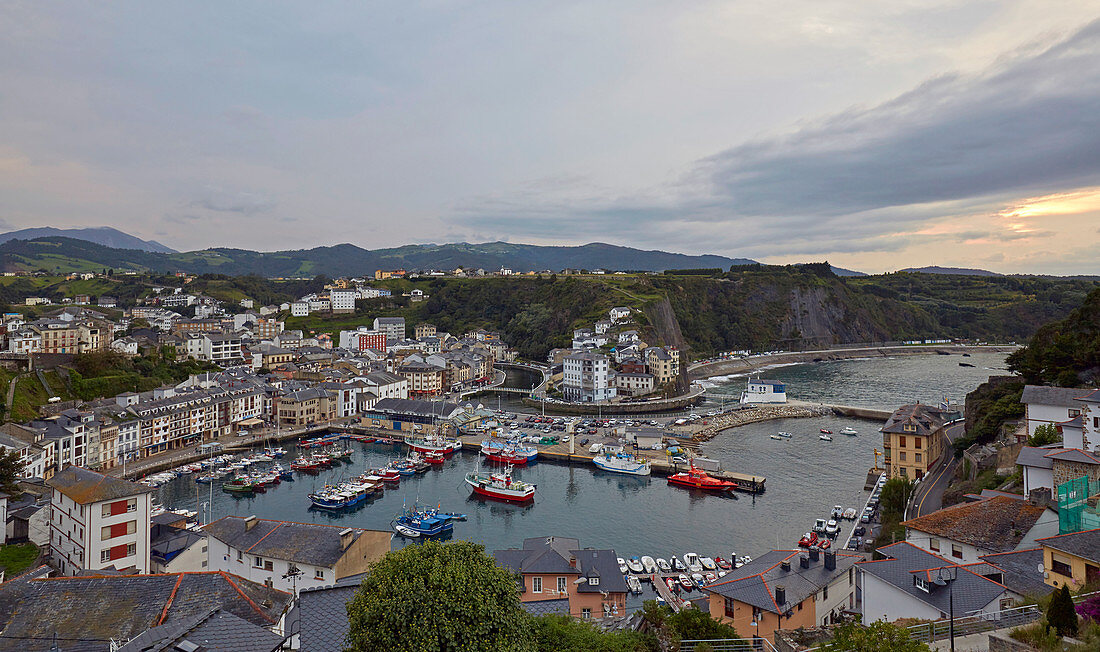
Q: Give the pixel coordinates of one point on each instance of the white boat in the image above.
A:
(838, 511)
(595, 448)
(691, 561)
(406, 531)
(663, 565)
(708, 564)
(784, 434)
(635, 565)
(634, 584)
(777, 437)
(850, 514)
(741, 561)
(677, 565)
(649, 565)
(622, 565)
(824, 437)
(848, 430)
(622, 463)
(832, 528)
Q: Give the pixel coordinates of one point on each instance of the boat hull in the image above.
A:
(616, 466)
(483, 489)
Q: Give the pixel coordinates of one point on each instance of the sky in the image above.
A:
(876, 136)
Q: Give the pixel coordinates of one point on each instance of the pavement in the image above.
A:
(928, 497)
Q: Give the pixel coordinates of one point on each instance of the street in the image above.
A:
(929, 494)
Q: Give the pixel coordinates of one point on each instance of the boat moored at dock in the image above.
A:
(696, 478)
(620, 462)
(501, 486)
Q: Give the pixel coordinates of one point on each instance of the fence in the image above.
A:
(1007, 618)
(1074, 514)
(729, 645)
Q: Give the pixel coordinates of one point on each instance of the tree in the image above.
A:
(561, 633)
(1061, 614)
(697, 624)
(894, 498)
(879, 636)
(1044, 434)
(11, 467)
(436, 596)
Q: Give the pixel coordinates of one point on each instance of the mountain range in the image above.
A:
(104, 235)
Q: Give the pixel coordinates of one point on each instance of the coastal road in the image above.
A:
(929, 495)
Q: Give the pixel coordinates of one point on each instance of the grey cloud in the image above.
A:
(245, 203)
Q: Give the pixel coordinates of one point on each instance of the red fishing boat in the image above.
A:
(698, 479)
(434, 457)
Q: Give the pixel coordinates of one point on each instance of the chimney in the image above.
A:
(804, 559)
(785, 564)
(830, 560)
(814, 554)
(780, 595)
(346, 537)
(572, 561)
(249, 523)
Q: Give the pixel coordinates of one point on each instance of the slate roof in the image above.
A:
(546, 607)
(166, 542)
(85, 487)
(755, 582)
(1020, 571)
(925, 419)
(1074, 455)
(971, 591)
(996, 524)
(1037, 457)
(324, 617)
(415, 407)
(215, 631)
(1043, 395)
(1084, 544)
(88, 611)
(306, 543)
(1091, 397)
(551, 555)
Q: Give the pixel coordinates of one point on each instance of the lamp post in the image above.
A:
(947, 579)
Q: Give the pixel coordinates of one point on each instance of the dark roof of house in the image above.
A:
(84, 486)
(755, 582)
(442, 410)
(1074, 455)
(925, 420)
(1092, 396)
(86, 612)
(1037, 457)
(552, 555)
(1077, 422)
(997, 524)
(1019, 571)
(166, 542)
(1043, 395)
(324, 616)
(904, 560)
(306, 543)
(1084, 544)
(546, 607)
(215, 631)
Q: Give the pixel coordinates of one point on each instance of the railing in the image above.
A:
(966, 625)
(729, 645)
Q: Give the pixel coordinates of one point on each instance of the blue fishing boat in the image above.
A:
(417, 522)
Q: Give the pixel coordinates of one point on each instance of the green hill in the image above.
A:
(1064, 352)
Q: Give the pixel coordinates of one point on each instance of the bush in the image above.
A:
(1061, 614)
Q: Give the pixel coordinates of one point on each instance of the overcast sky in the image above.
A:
(877, 135)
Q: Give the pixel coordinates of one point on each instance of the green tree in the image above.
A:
(437, 596)
(895, 496)
(697, 624)
(11, 467)
(1044, 434)
(879, 636)
(561, 633)
(1061, 614)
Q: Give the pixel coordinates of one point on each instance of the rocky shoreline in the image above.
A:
(729, 420)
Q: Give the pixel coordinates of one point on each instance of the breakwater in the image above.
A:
(717, 424)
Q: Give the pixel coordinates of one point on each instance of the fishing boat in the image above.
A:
(275, 453)
(283, 472)
(848, 430)
(307, 465)
(239, 485)
(825, 431)
(417, 523)
(501, 486)
(387, 474)
(207, 478)
(508, 452)
(698, 479)
(341, 496)
(619, 462)
(825, 437)
(433, 457)
(434, 444)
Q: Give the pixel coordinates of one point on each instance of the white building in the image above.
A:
(299, 309)
(98, 522)
(393, 327)
(219, 347)
(764, 391)
(1054, 405)
(342, 300)
(291, 556)
(586, 377)
(619, 313)
(963, 533)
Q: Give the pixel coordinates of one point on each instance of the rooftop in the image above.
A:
(1084, 544)
(85, 487)
(915, 419)
(971, 591)
(564, 556)
(1043, 395)
(997, 524)
(306, 543)
(755, 582)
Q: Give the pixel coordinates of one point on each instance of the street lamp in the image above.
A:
(947, 579)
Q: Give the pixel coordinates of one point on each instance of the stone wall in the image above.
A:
(1066, 471)
(1002, 643)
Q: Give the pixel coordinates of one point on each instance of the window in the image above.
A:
(917, 442)
(902, 442)
(319, 574)
(240, 555)
(1074, 412)
(729, 607)
(586, 613)
(105, 556)
(956, 551)
(536, 585)
(934, 544)
(1060, 567)
(851, 575)
(901, 456)
(258, 562)
(593, 581)
(916, 457)
(920, 583)
(824, 593)
(562, 585)
(131, 549)
(269, 565)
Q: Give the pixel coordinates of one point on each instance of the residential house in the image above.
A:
(423, 330)
(1049, 466)
(173, 547)
(1072, 559)
(913, 440)
(343, 300)
(619, 313)
(424, 378)
(1054, 405)
(913, 583)
(556, 574)
(634, 384)
(299, 309)
(784, 589)
(292, 556)
(306, 407)
(663, 362)
(393, 327)
(964, 533)
(98, 522)
(587, 377)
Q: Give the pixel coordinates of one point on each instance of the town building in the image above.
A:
(964, 533)
(393, 327)
(634, 384)
(587, 377)
(785, 589)
(173, 547)
(618, 314)
(343, 301)
(759, 390)
(306, 407)
(554, 574)
(663, 362)
(362, 339)
(913, 440)
(1072, 559)
(412, 415)
(98, 522)
(292, 556)
(299, 309)
(423, 330)
(1047, 467)
(1054, 405)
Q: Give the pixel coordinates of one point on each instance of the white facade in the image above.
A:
(266, 570)
(100, 535)
(342, 300)
(219, 348)
(618, 314)
(299, 309)
(586, 378)
(764, 391)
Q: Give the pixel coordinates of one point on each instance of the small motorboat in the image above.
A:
(745, 559)
(708, 564)
(832, 528)
(849, 514)
(634, 584)
(649, 564)
(838, 511)
(820, 525)
(722, 563)
(635, 565)
(698, 479)
(663, 565)
(825, 437)
(698, 580)
(691, 561)
(677, 565)
(848, 430)
(809, 539)
(784, 434)
(825, 431)
(622, 565)
(672, 585)
(685, 582)
(777, 437)
(710, 577)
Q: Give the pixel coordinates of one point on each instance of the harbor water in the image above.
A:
(645, 516)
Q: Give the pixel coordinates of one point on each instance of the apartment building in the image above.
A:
(586, 377)
(342, 300)
(913, 440)
(393, 327)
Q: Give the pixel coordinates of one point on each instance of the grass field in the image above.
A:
(17, 558)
